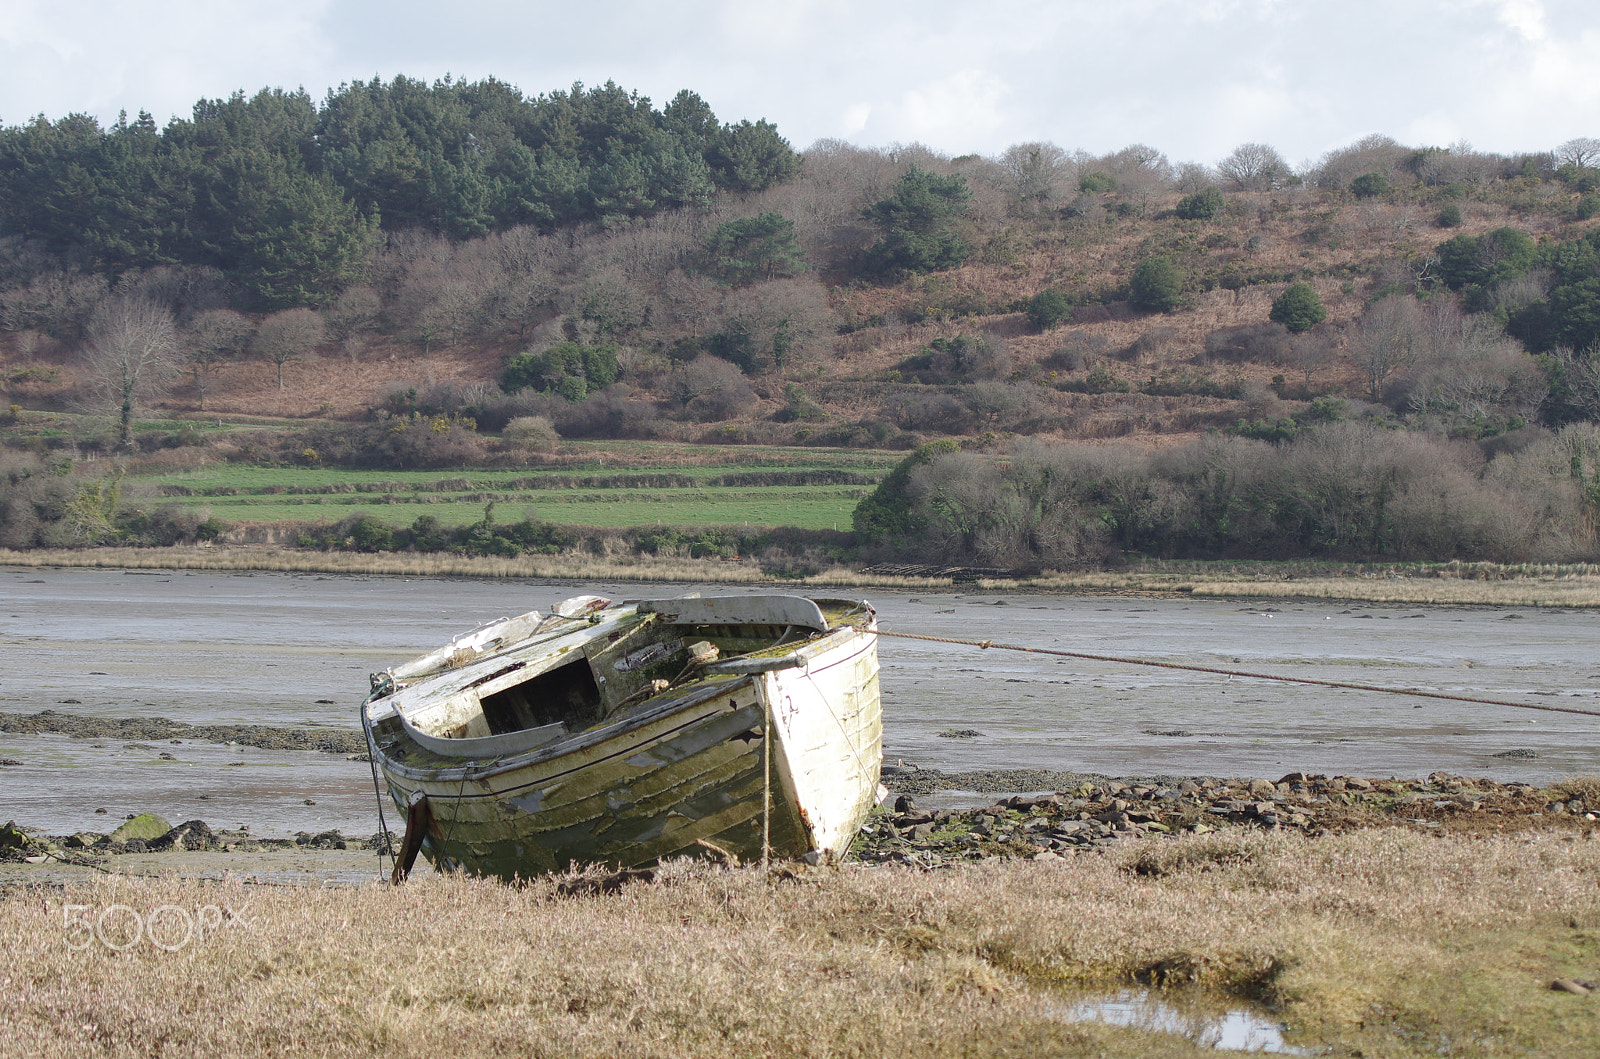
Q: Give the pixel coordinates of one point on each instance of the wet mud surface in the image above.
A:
(233, 697)
(264, 737)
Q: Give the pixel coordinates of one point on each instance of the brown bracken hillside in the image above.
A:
(836, 350)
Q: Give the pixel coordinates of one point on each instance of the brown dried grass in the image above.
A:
(1532, 592)
(1584, 788)
(1557, 589)
(411, 564)
(1488, 586)
(1380, 942)
(333, 385)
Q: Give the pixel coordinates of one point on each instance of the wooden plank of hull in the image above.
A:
(650, 798)
(651, 790)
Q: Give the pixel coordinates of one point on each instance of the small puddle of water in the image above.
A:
(1234, 1030)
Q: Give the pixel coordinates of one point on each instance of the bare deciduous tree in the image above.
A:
(1581, 373)
(214, 337)
(356, 311)
(1583, 151)
(1192, 177)
(648, 250)
(186, 290)
(57, 303)
(132, 355)
(826, 203)
(709, 389)
(523, 250)
(612, 302)
(786, 320)
(1137, 162)
(1481, 380)
(1370, 154)
(1458, 164)
(1038, 176)
(689, 301)
(521, 301)
(454, 311)
(1254, 167)
(1385, 341)
(1310, 350)
(288, 336)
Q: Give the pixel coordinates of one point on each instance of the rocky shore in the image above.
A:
(149, 833)
(1086, 813)
(1089, 811)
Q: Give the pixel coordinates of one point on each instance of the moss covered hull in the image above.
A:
(684, 774)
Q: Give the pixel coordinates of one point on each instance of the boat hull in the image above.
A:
(690, 777)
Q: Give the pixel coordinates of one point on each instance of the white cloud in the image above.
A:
(947, 110)
(1524, 16)
(79, 55)
(1190, 77)
(855, 118)
(797, 22)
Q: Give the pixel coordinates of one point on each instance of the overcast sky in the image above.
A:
(1193, 78)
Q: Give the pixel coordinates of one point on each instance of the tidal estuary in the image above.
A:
(296, 649)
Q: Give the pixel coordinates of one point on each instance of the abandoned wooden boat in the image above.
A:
(622, 734)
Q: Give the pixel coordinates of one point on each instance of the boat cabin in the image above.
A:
(570, 674)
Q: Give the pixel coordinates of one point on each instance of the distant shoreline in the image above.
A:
(1491, 585)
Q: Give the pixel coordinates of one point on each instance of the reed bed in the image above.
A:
(1378, 942)
(1508, 587)
(410, 564)
(1526, 585)
(1541, 592)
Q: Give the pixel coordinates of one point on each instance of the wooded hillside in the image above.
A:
(458, 275)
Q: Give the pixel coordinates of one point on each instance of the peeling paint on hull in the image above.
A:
(668, 775)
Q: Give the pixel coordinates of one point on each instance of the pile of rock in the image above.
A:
(149, 833)
(1098, 813)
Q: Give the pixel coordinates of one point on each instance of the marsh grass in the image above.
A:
(1584, 788)
(1481, 584)
(410, 564)
(1531, 592)
(1484, 585)
(1376, 942)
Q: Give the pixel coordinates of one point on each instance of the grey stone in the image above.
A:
(191, 835)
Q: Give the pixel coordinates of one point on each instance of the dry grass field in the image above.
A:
(1378, 942)
(1528, 585)
(409, 564)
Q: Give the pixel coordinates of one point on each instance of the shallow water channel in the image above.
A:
(1207, 1022)
(264, 648)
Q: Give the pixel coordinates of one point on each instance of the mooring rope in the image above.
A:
(766, 782)
(987, 644)
(372, 759)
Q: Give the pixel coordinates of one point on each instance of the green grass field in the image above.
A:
(823, 507)
(606, 497)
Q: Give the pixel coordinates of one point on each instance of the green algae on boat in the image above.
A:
(622, 734)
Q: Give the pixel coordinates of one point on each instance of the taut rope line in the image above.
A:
(986, 644)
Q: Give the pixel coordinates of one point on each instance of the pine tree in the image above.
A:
(918, 224)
